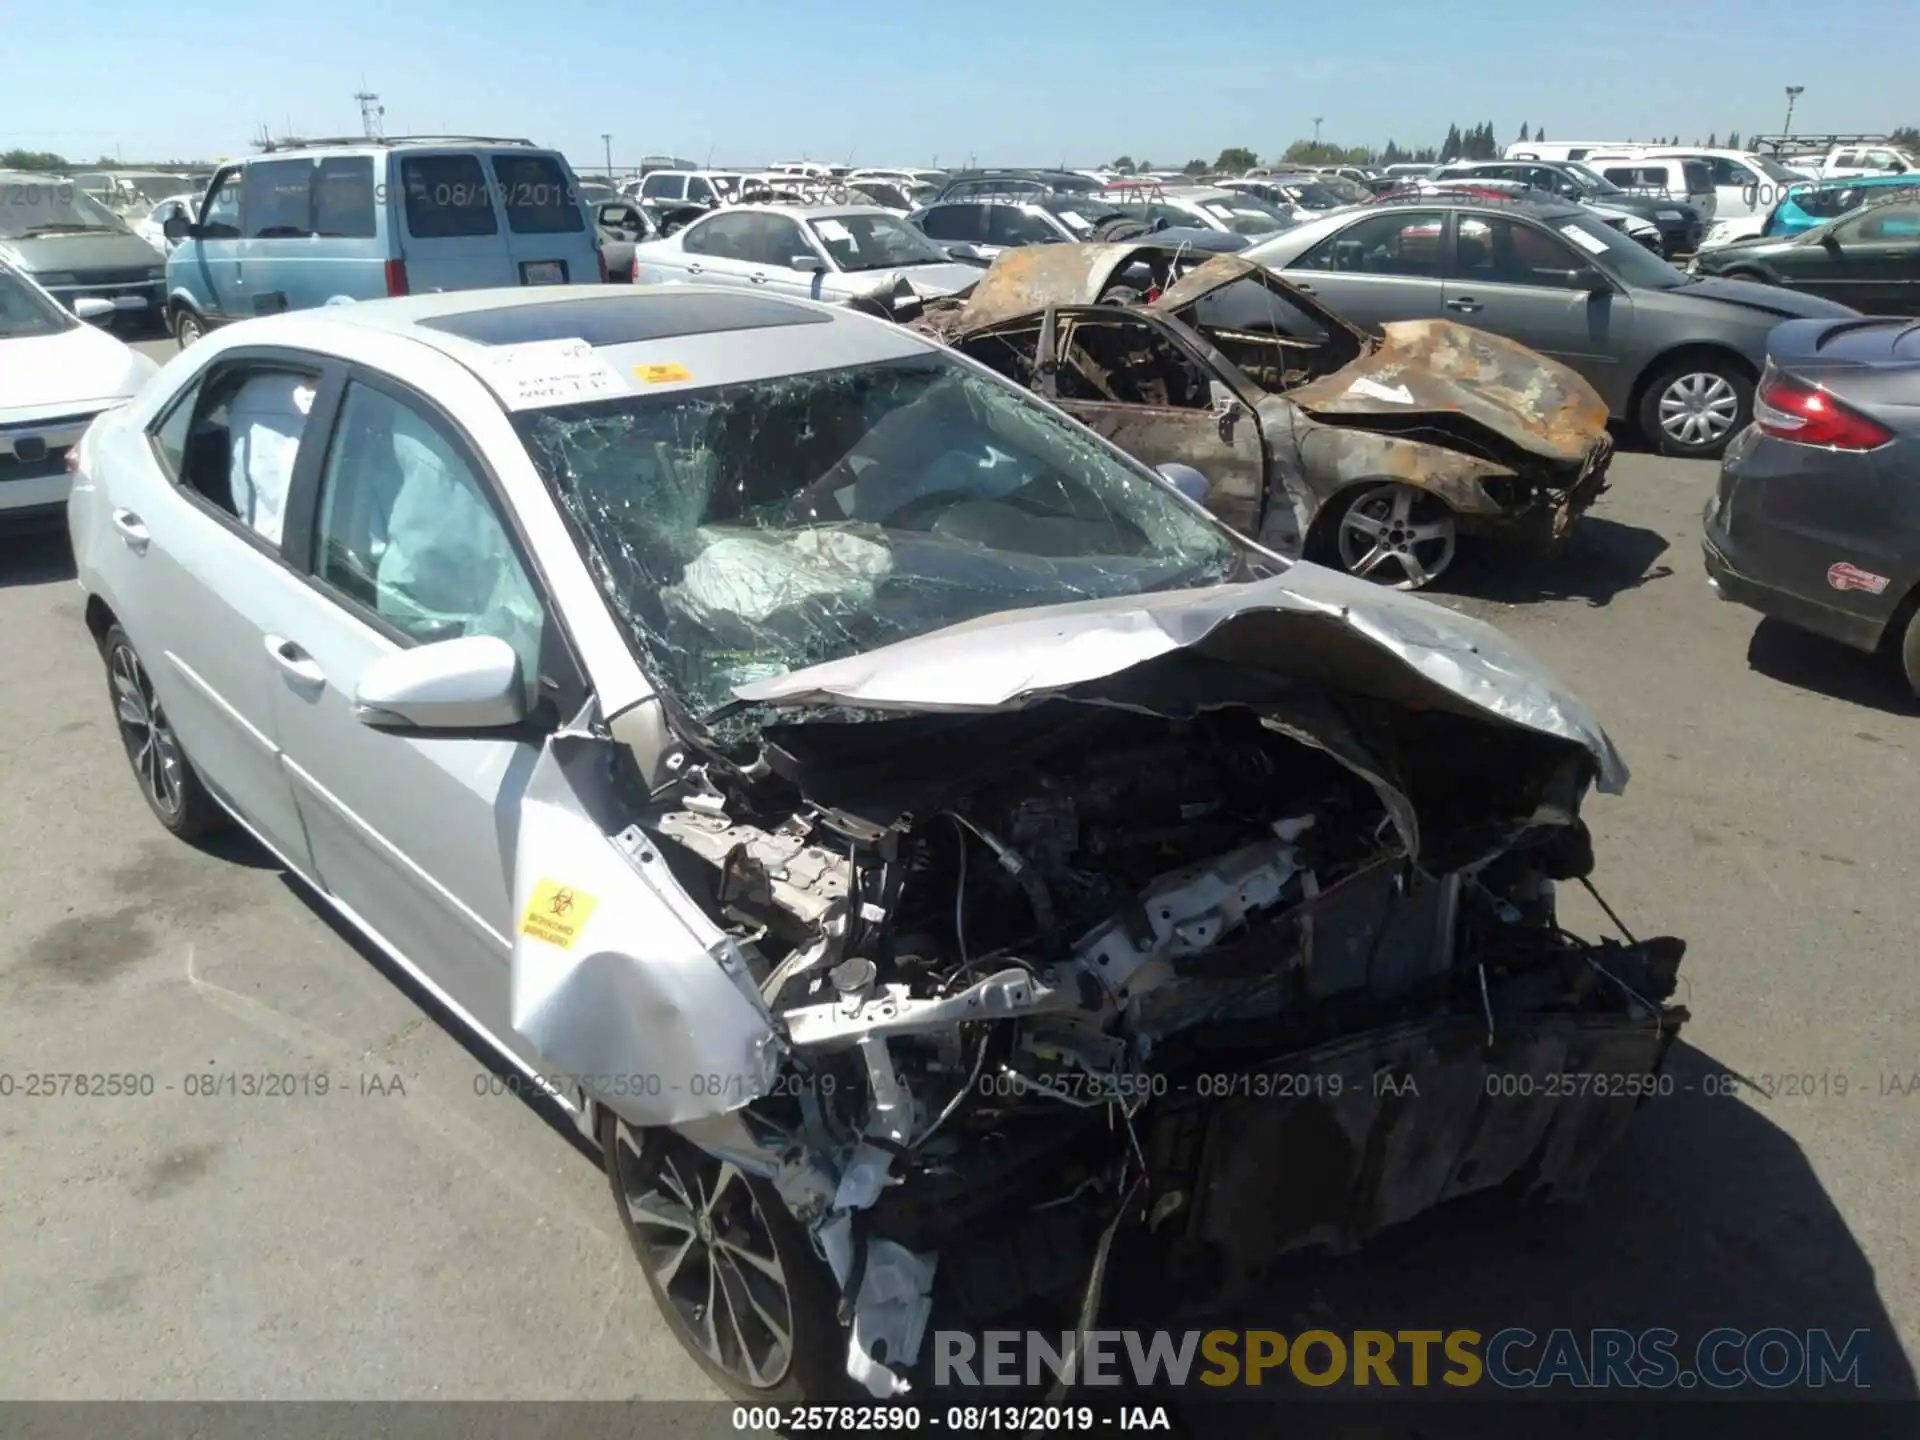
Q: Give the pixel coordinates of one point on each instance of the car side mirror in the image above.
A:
(1590, 280)
(92, 307)
(1187, 480)
(177, 227)
(965, 251)
(1831, 241)
(472, 682)
(806, 264)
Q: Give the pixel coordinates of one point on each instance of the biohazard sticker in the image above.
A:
(1843, 576)
(557, 913)
(661, 374)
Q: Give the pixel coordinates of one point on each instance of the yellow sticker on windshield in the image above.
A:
(660, 374)
(557, 913)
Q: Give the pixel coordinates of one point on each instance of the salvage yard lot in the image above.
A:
(407, 1236)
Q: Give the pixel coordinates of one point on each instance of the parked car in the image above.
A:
(979, 229)
(1365, 453)
(622, 225)
(1744, 184)
(335, 221)
(1660, 177)
(1868, 258)
(152, 227)
(1674, 354)
(823, 252)
(1813, 203)
(1301, 192)
(611, 690)
(1681, 225)
(1816, 519)
(1634, 227)
(1559, 150)
(1200, 207)
(1856, 158)
(708, 188)
(902, 197)
(57, 373)
(977, 184)
(75, 248)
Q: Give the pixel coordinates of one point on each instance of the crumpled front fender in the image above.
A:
(621, 982)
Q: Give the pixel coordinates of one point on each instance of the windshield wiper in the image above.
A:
(66, 226)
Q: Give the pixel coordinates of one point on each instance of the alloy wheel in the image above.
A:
(711, 1254)
(1397, 535)
(150, 741)
(1698, 410)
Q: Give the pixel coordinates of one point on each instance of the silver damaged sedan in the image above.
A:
(928, 854)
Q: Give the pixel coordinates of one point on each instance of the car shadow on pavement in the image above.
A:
(1708, 1215)
(1812, 662)
(36, 554)
(1597, 561)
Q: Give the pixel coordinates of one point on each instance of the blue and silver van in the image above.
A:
(321, 222)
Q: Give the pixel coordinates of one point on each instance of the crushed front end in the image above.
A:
(1222, 962)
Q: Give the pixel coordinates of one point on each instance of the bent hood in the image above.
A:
(1440, 367)
(1309, 625)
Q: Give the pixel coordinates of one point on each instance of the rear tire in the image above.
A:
(167, 780)
(1909, 651)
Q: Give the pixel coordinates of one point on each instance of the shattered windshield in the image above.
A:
(875, 242)
(744, 531)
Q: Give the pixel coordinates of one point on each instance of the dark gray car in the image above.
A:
(1817, 516)
(1672, 353)
(76, 248)
(1681, 225)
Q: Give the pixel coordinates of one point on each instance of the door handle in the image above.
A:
(693, 269)
(294, 661)
(132, 531)
(758, 277)
(1466, 305)
(1303, 289)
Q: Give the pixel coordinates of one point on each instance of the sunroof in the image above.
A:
(623, 319)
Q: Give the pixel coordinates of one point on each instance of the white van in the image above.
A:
(1559, 149)
(1663, 177)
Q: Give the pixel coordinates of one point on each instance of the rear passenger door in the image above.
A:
(1382, 267)
(715, 251)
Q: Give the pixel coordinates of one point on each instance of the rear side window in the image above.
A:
(446, 196)
(954, 222)
(343, 197)
(539, 195)
(1699, 178)
(276, 200)
(660, 186)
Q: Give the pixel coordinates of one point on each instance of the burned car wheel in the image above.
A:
(1693, 407)
(1397, 535)
(167, 780)
(730, 1269)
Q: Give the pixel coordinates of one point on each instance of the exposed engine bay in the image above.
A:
(1224, 980)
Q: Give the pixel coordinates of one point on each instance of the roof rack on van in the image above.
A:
(1778, 143)
(340, 141)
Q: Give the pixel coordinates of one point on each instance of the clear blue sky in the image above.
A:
(749, 81)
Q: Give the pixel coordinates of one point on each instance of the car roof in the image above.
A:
(805, 212)
(1461, 200)
(686, 327)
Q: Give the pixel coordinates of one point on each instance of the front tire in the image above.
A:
(731, 1270)
(167, 780)
(1909, 651)
(1691, 408)
(187, 327)
(1393, 534)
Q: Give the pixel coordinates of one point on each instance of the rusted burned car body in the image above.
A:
(1368, 452)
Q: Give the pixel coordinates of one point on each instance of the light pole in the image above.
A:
(1316, 128)
(607, 140)
(1793, 94)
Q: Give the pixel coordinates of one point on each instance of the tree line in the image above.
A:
(1475, 142)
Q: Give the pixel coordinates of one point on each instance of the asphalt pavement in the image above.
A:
(410, 1235)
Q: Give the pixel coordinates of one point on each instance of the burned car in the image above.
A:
(1370, 453)
(927, 853)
